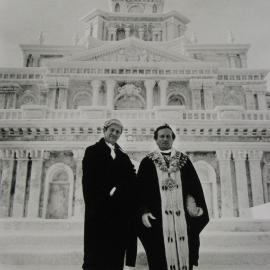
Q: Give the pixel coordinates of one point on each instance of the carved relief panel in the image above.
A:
(132, 54)
(229, 95)
(28, 95)
(130, 96)
(82, 98)
(179, 94)
(79, 94)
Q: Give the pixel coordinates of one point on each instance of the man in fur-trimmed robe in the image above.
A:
(172, 206)
(108, 187)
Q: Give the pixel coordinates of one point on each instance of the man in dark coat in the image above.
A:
(108, 188)
(172, 206)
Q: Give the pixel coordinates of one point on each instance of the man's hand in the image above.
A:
(112, 191)
(145, 219)
(192, 208)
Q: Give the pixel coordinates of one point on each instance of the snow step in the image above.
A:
(58, 238)
(78, 267)
(232, 224)
(224, 243)
(73, 256)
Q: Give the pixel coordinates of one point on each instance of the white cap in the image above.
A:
(113, 121)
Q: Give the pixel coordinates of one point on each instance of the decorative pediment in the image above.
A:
(130, 50)
(132, 54)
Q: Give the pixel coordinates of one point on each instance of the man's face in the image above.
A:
(164, 139)
(112, 133)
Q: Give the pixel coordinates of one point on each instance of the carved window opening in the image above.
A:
(58, 188)
(156, 95)
(266, 180)
(56, 105)
(268, 104)
(12, 186)
(208, 179)
(154, 8)
(134, 31)
(238, 62)
(256, 102)
(102, 94)
(58, 194)
(249, 185)
(234, 188)
(3, 101)
(29, 61)
(82, 99)
(27, 186)
(28, 99)
(120, 34)
(202, 99)
(176, 100)
(117, 7)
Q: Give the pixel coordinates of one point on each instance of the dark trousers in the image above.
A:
(104, 245)
(153, 243)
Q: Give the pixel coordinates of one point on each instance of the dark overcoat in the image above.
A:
(150, 200)
(107, 217)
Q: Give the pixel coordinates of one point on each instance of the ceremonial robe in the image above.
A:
(150, 202)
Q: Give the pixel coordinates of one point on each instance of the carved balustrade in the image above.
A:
(91, 112)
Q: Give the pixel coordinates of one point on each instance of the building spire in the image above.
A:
(193, 38)
(41, 38)
(230, 37)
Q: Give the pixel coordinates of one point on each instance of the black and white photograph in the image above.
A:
(134, 135)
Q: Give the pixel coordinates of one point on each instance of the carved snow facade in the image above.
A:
(135, 64)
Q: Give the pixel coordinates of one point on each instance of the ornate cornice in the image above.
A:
(132, 65)
(220, 147)
(206, 127)
(235, 114)
(25, 70)
(243, 71)
(32, 74)
(130, 16)
(9, 87)
(134, 70)
(218, 47)
(236, 75)
(51, 49)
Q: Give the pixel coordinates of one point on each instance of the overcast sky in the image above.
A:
(22, 20)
